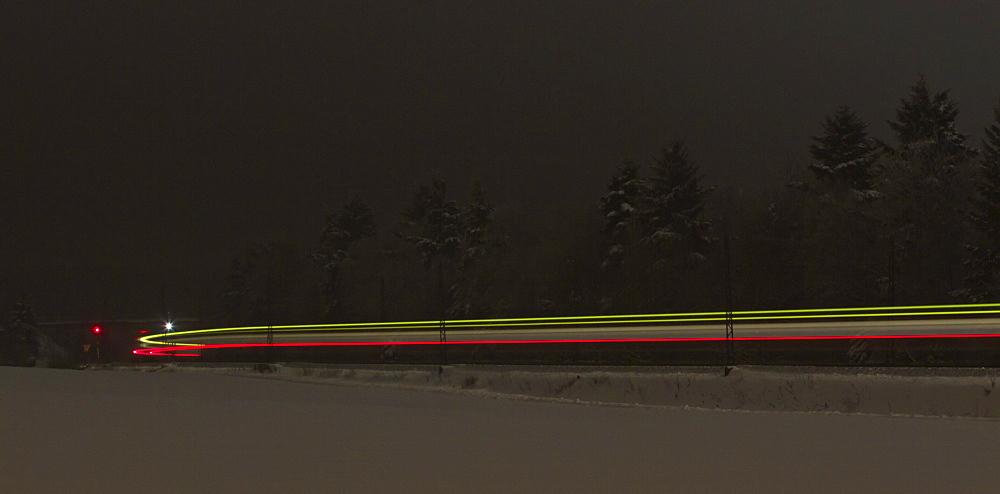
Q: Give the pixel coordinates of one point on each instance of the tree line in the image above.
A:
(866, 222)
(19, 338)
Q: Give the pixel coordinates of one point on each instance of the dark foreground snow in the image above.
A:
(72, 431)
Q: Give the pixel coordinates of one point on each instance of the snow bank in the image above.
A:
(82, 432)
(886, 391)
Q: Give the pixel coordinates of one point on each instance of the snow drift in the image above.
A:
(881, 391)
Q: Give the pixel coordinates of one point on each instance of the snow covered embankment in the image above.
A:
(927, 392)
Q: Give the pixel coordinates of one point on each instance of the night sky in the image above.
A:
(156, 139)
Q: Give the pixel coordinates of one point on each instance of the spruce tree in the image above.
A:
(471, 292)
(235, 296)
(23, 313)
(674, 201)
(432, 223)
(23, 317)
(620, 207)
(476, 218)
(23, 336)
(844, 152)
(986, 214)
(352, 223)
(927, 123)
(983, 262)
(925, 182)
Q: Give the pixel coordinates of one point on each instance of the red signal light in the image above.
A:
(96, 330)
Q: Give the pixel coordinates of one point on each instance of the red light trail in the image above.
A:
(187, 348)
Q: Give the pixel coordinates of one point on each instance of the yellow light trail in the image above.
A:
(630, 319)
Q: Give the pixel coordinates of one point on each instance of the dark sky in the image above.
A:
(158, 138)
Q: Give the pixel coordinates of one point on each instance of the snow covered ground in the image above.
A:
(934, 392)
(73, 431)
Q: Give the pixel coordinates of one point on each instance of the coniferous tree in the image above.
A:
(844, 153)
(619, 207)
(674, 201)
(355, 221)
(842, 254)
(473, 293)
(235, 296)
(433, 225)
(654, 227)
(19, 346)
(23, 313)
(771, 239)
(839, 252)
(983, 261)
(476, 218)
(925, 182)
(926, 123)
(986, 213)
(267, 285)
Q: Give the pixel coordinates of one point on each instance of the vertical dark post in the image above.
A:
(163, 306)
(892, 271)
(730, 343)
(109, 242)
(381, 298)
(173, 356)
(268, 311)
(442, 335)
(389, 272)
(380, 279)
(163, 296)
(890, 347)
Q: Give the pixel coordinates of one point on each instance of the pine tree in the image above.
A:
(432, 223)
(471, 292)
(844, 153)
(23, 313)
(925, 184)
(987, 206)
(654, 228)
(235, 297)
(620, 206)
(675, 200)
(839, 250)
(22, 338)
(355, 221)
(983, 261)
(476, 219)
(926, 123)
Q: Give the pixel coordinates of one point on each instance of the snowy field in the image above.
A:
(102, 431)
(908, 391)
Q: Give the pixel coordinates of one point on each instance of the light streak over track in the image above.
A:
(172, 343)
(167, 351)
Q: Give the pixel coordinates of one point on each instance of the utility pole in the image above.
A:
(442, 334)
(381, 298)
(890, 347)
(268, 310)
(377, 279)
(730, 343)
(380, 279)
(730, 357)
(892, 271)
(163, 296)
